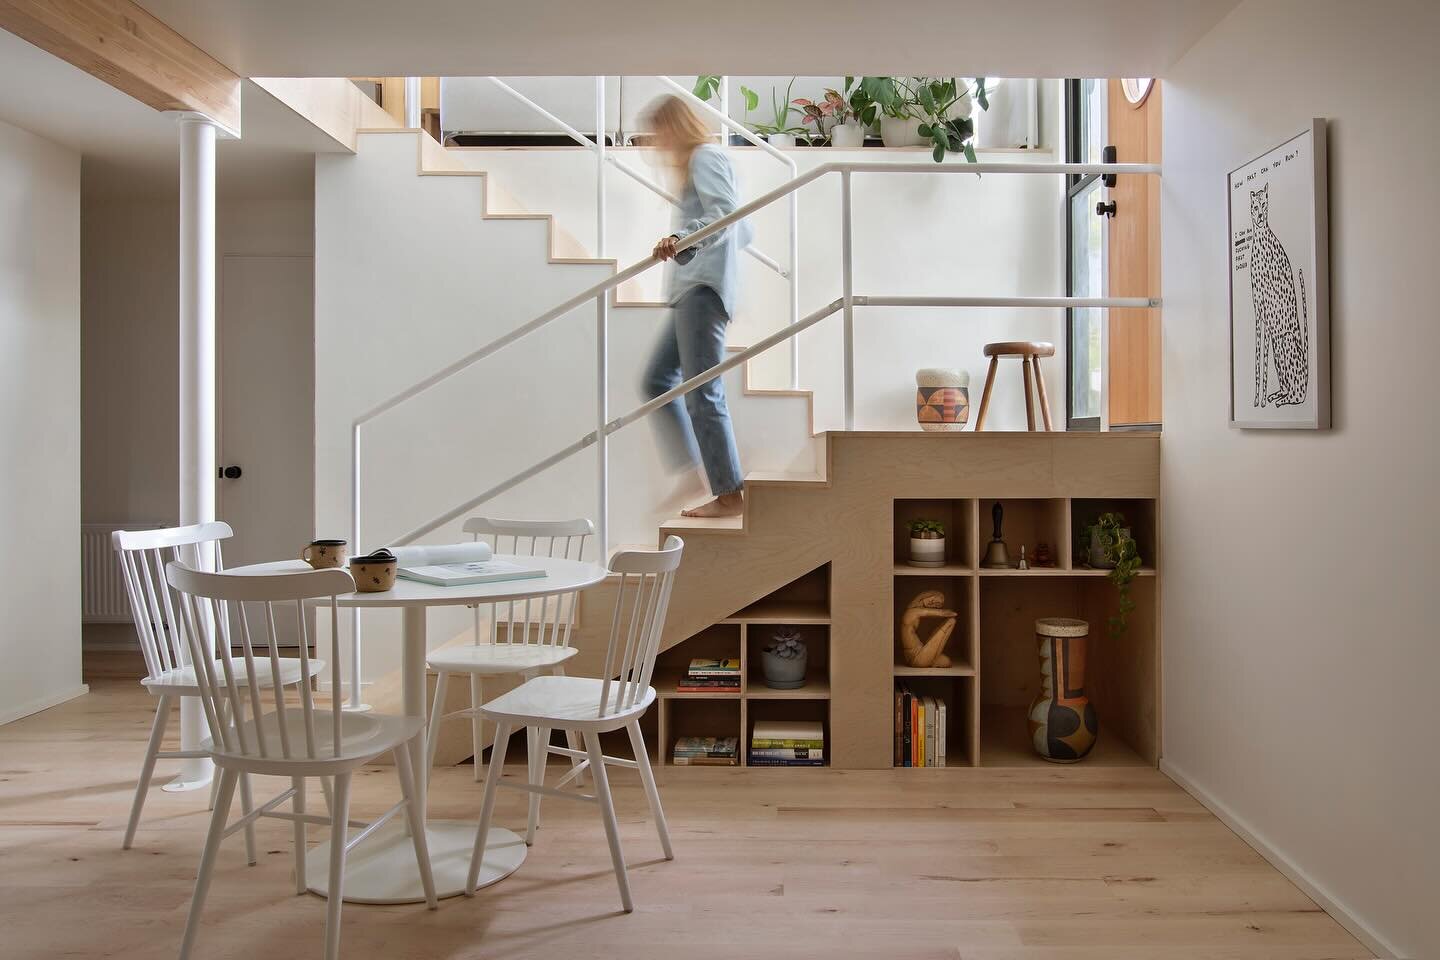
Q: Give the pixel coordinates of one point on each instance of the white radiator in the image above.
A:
(102, 586)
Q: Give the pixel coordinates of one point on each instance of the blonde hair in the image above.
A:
(675, 121)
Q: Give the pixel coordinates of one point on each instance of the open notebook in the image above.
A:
(460, 574)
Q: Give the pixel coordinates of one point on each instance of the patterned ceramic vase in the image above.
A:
(1063, 727)
(942, 398)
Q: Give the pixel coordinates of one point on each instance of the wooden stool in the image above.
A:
(1029, 352)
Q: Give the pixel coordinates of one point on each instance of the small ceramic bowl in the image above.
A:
(374, 574)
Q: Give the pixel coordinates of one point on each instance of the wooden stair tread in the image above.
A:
(777, 478)
(735, 524)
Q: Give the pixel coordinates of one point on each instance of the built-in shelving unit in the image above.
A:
(804, 605)
(995, 672)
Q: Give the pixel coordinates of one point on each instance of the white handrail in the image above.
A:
(600, 291)
(794, 273)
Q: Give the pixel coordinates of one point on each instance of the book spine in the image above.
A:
(899, 731)
(941, 721)
(774, 762)
(772, 744)
(790, 753)
(907, 709)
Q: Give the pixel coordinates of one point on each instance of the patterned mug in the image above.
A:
(324, 554)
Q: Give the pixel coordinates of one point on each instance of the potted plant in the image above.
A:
(848, 114)
(1108, 546)
(783, 659)
(779, 131)
(927, 543)
(896, 108)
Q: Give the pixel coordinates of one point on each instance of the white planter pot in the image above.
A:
(900, 132)
(847, 136)
(781, 139)
(927, 552)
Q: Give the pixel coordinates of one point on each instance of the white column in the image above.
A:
(197, 376)
(412, 102)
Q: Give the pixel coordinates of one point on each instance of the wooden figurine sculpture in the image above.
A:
(930, 652)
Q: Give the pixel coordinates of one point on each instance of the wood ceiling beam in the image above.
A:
(121, 43)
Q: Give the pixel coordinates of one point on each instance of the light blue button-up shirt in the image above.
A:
(709, 194)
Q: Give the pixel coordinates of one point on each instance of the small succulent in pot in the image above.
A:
(784, 658)
(927, 543)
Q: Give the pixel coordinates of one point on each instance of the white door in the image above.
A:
(267, 407)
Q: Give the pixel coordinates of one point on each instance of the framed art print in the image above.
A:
(1279, 267)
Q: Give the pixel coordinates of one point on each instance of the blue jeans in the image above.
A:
(700, 429)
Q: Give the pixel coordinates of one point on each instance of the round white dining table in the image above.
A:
(381, 868)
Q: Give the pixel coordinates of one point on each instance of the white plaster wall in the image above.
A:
(1299, 591)
(39, 423)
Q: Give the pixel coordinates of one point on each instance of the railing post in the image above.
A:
(412, 102)
(599, 166)
(724, 110)
(602, 414)
(795, 283)
(353, 701)
(847, 279)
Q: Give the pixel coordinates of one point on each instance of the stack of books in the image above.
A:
(920, 723)
(793, 743)
(707, 675)
(707, 751)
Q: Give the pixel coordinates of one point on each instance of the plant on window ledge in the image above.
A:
(941, 105)
(1111, 535)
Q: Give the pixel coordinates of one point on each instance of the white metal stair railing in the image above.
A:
(845, 304)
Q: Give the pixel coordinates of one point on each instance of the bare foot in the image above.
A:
(726, 505)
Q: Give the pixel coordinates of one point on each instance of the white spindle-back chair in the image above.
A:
(170, 673)
(534, 638)
(256, 728)
(591, 707)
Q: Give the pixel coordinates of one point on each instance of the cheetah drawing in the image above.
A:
(1281, 325)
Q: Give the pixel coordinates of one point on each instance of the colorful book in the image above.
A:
(773, 762)
(788, 753)
(899, 728)
(788, 733)
(941, 716)
(707, 667)
(929, 731)
(706, 761)
(907, 727)
(707, 746)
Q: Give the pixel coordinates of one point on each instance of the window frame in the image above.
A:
(1075, 184)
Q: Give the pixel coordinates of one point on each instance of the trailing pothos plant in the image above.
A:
(1121, 550)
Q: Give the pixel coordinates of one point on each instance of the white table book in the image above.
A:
(458, 574)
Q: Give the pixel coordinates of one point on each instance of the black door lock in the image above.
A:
(1105, 209)
(231, 472)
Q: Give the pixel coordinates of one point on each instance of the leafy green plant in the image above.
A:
(782, 109)
(932, 101)
(918, 529)
(852, 106)
(1121, 550)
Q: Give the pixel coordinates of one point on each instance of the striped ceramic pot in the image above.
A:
(942, 398)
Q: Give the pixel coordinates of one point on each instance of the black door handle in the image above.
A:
(1107, 155)
(231, 472)
(1105, 209)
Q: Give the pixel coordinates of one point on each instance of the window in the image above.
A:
(1085, 241)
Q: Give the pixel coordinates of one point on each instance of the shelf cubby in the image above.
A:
(958, 694)
(803, 600)
(790, 708)
(960, 647)
(1027, 523)
(1119, 673)
(1139, 514)
(817, 666)
(958, 518)
(712, 717)
(721, 640)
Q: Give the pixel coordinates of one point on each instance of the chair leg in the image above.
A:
(487, 805)
(215, 778)
(147, 769)
(339, 821)
(297, 805)
(477, 725)
(985, 397)
(1040, 389)
(538, 741)
(247, 803)
(647, 777)
(218, 817)
(573, 741)
(607, 814)
(409, 787)
(432, 730)
(1029, 402)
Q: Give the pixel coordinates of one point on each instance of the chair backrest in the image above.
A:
(143, 555)
(532, 538)
(207, 602)
(646, 578)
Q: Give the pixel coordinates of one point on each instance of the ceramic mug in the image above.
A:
(324, 554)
(375, 573)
